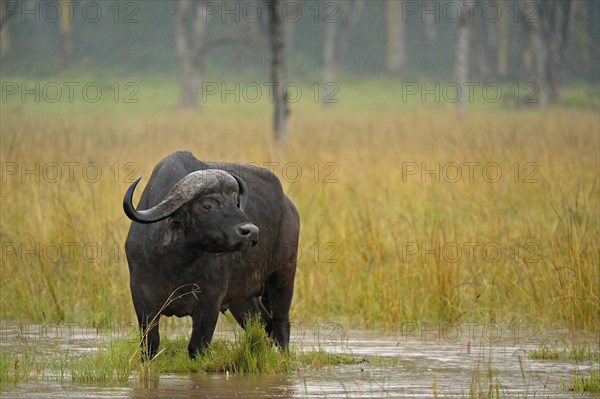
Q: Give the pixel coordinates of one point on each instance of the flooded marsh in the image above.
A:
(432, 360)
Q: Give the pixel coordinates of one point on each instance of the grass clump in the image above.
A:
(585, 383)
(110, 362)
(319, 358)
(252, 351)
(24, 367)
(544, 352)
(572, 352)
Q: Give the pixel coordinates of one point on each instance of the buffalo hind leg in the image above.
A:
(249, 308)
(278, 297)
(279, 288)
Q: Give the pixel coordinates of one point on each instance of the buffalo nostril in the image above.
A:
(248, 231)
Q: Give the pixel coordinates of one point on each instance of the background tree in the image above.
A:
(502, 42)
(546, 25)
(191, 28)
(5, 15)
(396, 37)
(278, 72)
(5, 5)
(461, 61)
(66, 36)
(592, 23)
(344, 15)
(487, 45)
(555, 17)
(193, 40)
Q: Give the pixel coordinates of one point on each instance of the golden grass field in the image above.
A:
(514, 238)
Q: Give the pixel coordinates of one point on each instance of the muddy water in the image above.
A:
(418, 362)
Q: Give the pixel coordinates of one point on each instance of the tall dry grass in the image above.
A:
(379, 246)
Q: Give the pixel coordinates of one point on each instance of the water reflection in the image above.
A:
(216, 386)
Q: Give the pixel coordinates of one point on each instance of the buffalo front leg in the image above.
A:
(204, 321)
(148, 316)
(150, 336)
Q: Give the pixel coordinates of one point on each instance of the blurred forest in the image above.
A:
(413, 40)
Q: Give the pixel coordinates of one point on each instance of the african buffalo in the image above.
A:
(208, 237)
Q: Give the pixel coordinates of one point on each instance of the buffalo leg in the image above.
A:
(249, 308)
(279, 288)
(150, 336)
(148, 320)
(279, 292)
(204, 321)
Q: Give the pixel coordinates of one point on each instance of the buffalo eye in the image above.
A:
(206, 205)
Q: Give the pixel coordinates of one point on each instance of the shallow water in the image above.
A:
(420, 361)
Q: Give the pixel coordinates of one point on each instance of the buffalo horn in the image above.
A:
(185, 190)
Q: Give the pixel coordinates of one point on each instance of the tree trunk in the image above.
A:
(538, 59)
(502, 35)
(4, 43)
(4, 14)
(593, 31)
(461, 66)
(5, 32)
(335, 40)
(396, 34)
(556, 39)
(191, 27)
(329, 52)
(547, 25)
(526, 50)
(487, 43)
(354, 11)
(430, 32)
(66, 38)
(278, 65)
(190, 83)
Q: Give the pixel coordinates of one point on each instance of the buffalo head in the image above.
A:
(204, 211)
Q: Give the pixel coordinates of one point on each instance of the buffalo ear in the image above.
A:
(243, 192)
(174, 232)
